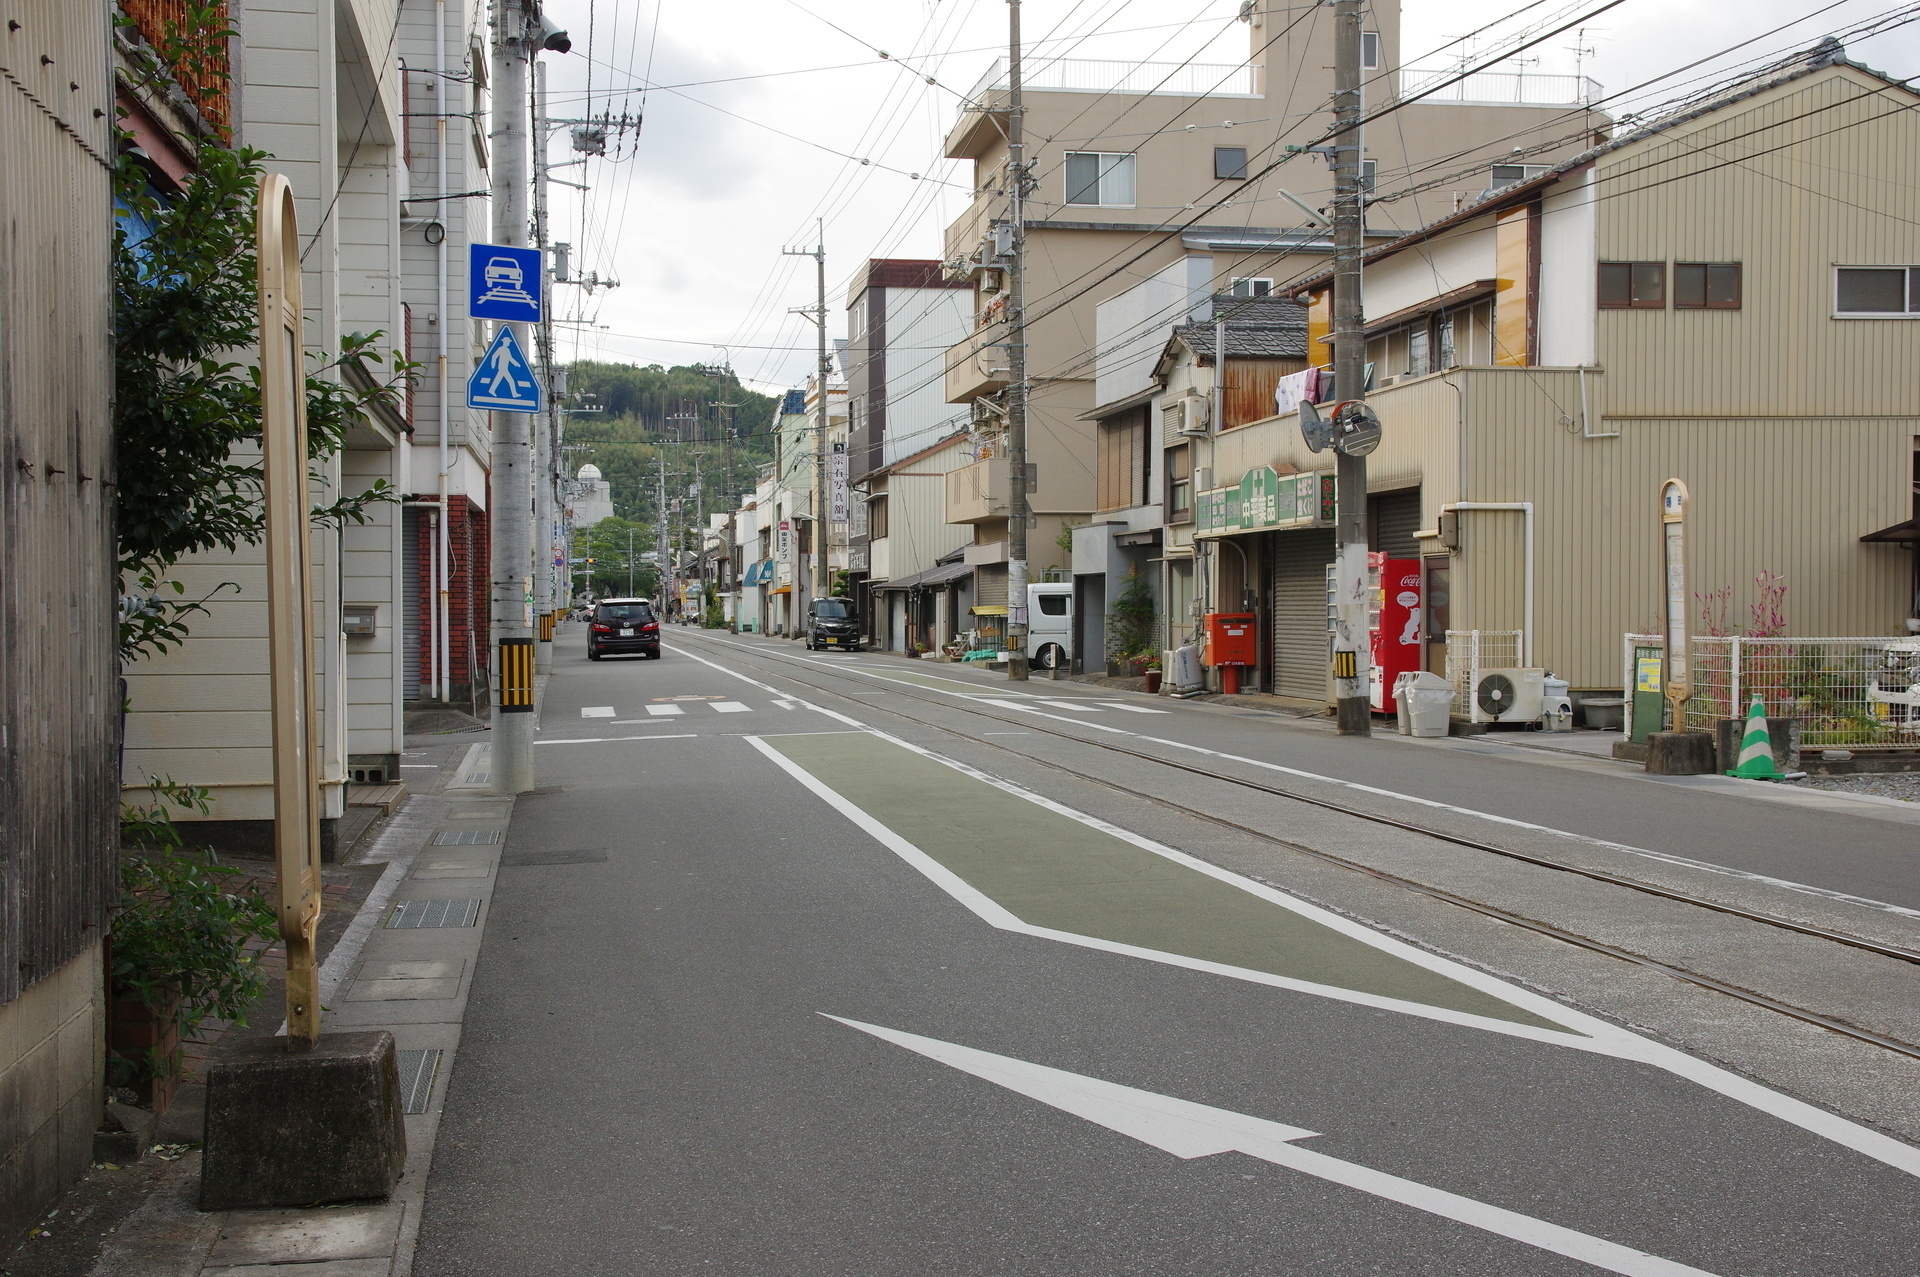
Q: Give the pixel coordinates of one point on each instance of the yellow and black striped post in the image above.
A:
(516, 676)
(547, 621)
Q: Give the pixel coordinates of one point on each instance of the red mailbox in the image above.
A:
(1233, 638)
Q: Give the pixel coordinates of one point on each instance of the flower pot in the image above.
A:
(145, 1039)
(1153, 681)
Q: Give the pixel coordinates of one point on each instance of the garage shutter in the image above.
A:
(410, 543)
(1393, 518)
(1298, 598)
(990, 585)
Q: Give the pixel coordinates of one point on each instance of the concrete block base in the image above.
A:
(1681, 754)
(1783, 734)
(298, 1128)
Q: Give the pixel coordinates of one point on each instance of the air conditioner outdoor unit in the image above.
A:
(1508, 696)
(1195, 412)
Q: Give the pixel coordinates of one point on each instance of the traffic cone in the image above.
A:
(1756, 748)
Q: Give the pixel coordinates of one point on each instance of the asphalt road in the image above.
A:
(833, 1004)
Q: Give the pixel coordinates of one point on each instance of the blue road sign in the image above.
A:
(504, 381)
(503, 283)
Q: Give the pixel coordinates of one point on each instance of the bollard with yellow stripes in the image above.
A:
(516, 676)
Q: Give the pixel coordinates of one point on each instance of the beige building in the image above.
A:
(1143, 169)
(1727, 296)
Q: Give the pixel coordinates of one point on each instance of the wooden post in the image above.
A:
(283, 448)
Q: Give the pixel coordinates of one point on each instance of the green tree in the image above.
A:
(1131, 620)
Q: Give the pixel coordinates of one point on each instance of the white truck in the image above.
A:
(1050, 626)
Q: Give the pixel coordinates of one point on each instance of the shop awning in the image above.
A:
(1900, 533)
(783, 589)
(989, 609)
(932, 576)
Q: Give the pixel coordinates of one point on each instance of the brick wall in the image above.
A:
(469, 550)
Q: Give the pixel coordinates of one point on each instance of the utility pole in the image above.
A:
(1017, 506)
(512, 524)
(1350, 655)
(660, 567)
(545, 437)
(818, 312)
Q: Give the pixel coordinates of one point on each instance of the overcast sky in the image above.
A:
(763, 110)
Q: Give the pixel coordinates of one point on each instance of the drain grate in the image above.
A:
(465, 837)
(418, 1069)
(434, 913)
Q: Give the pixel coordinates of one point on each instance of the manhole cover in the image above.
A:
(465, 837)
(433, 913)
(581, 856)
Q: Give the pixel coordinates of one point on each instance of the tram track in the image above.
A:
(1699, 979)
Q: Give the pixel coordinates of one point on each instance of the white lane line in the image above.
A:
(1085, 709)
(1133, 709)
(603, 740)
(784, 704)
(596, 711)
(1189, 1130)
(665, 711)
(836, 715)
(1602, 1036)
(731, 707)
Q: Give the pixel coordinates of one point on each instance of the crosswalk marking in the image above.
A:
(596, 711)
(665, 711)
(730, 707)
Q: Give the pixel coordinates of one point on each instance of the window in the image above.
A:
(1418, 363)
(1230, 163)
(1096, 177)
(1706, 285)
(1179, 485)
(1876, 290)
(1633, 285)
(1370, 51)
(1052, 604)
(1369, 169)
(1512, 174)
(1251, 287)
(876, 518)
(1443, 339)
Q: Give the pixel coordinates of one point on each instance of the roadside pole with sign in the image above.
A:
(1673, 551)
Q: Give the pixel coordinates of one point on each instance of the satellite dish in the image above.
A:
(1314, 428)
(1356, 429)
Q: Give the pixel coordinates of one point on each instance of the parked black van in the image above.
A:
(832, 623)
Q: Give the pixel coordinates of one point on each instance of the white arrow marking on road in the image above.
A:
(596, 711)
(1190, 1130)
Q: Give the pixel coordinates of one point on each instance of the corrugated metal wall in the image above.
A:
(59, 707)
(417, 546)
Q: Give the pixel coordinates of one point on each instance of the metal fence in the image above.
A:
(1469, 652)
(1501, 88)
(1096, 75)
(1849, 693)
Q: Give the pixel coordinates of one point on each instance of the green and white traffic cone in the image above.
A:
(1756, 748)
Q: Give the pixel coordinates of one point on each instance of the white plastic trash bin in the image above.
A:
(1401, 710)
(1557, 708)
(1429, 704)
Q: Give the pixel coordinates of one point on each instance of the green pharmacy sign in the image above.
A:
(1263, 501)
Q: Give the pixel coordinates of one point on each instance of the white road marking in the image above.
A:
(1085, 709)
(1189, 1130)
(1602, 1036)
(637, 722)
(428, 766)
(784, 704)
(731, 707)
(1134, 709)
(665, 711)
(596, 711)
(603, 740)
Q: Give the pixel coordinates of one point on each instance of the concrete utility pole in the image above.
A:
(512, 523)
(1350, 655)
(1017, 508)
(546, 434)
(818, 312)
(661, 571)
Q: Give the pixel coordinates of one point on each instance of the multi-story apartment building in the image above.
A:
(382, 152)
(1177, 171)
(1726, 295)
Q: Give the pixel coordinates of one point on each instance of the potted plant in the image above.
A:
(184, 946)
(1150, 669)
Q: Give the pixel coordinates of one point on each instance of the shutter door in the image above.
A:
(1299, 601)
(410, 545)
(990, 585)
(1395, 517)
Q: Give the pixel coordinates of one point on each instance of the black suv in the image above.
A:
(623, 625)
(831, 623)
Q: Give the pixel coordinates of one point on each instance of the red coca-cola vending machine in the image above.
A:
(1394, 622)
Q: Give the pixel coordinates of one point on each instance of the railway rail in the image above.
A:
(789, 664)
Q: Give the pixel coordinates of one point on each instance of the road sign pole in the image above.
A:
(512, 567)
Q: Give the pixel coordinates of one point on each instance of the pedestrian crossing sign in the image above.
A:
(504, 381)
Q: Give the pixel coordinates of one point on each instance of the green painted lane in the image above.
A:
(1065, 875)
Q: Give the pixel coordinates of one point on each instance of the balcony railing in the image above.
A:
(1499, 88)
(1093, 75)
